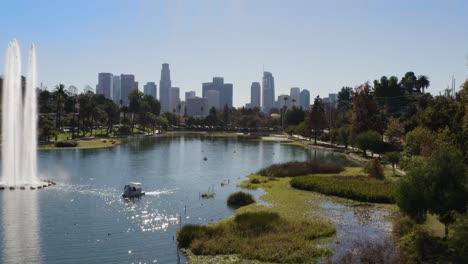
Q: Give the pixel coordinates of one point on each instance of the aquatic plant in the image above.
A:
(296, 168)
(239, 199)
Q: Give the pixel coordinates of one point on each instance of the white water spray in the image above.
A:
(19, 121)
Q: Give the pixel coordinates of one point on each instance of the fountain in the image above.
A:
(19, 123)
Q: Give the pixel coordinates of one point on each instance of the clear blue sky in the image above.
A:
(317, 45)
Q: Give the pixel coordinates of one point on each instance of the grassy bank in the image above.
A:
(296, 168)
(295, 235)
(85, 144)
(359, 188)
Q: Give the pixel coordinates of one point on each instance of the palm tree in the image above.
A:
(422, 82)
(60, 95)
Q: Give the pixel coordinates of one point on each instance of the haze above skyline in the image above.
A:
(315, 45)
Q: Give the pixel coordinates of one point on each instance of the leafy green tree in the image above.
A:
(393, 158)
(46, 127)
(345, 105)
(369, 140)
(422, 83)
(420, 141)
(60, 95)
(366, 115)
(441, 185)
(394, 131)
(294, 116)
(344, 135)
(317, 121)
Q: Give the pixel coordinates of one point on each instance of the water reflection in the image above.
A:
(19, 225)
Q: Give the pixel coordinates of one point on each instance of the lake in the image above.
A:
(84, 219)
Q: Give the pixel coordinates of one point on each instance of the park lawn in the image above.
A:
(86, 144)
(301, 233)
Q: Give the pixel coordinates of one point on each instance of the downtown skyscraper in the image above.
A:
(268, 87)
(165, 89)
(255, 98)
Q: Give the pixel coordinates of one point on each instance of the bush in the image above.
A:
(297, 168)
(66, 144)
(188, 233)
(254, 223)
(239, 199)
(369, 140)
(375, 170)
(459, 238)
(358, 188)
(125, 130)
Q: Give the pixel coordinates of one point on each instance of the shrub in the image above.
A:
(296, 168)
(375, 169)
(125, 130)
(239, 199)
(255, 181)
(188, 233)
(358, 188)
(66, 144)
(459, 238)
(254, 223)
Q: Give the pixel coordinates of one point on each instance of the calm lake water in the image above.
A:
(84, 220)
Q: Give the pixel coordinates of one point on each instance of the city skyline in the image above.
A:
(368, 42)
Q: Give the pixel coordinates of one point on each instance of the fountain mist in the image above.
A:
(19, 121)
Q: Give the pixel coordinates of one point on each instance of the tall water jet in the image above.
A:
(19, 121)
(12, 115)
(29, 169)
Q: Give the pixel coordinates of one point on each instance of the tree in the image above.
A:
(420, 141)
(369, 140)
(366, 115)
(294, 116)
(345, 105)
(60, 95)
(422, 83)
(317, 121)
(46, 127)
(375, 169)
(394, 131)
(344, 135)
(438, 186)
(393, 158)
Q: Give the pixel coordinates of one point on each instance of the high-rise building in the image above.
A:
(295, 96)
(268, 87)
(196, 106)
(333, 99)
(304, 100)
(175, 100)
(189, 95)
(105, 85)
(283, 101)
(165, 88)
(212, 99)
(127, 84)
(255, 99)
(225, 91)
(150, 89)
(117, 88)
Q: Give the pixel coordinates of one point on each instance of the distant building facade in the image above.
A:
(304, 100)
(333, 99)
(295, 94)
(150, 88)
(117, 88)
(268, 90)
(127, 84)
(175, 100)
(225, 91)
(105, 85)
(255, 99)
(196, 107)
(165, 88)
(212, 99)
(190, 95)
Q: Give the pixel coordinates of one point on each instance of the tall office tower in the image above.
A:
(127, 84)
(165, 88)
(212, 99)
(116, 84)
(175, 100)
(255, 99)
(225, 91)
(225, 96)
(333, 99)
(196, 106)
(150, 89)
(295, 96)
(189, 95)
(304, 100)
(105, 85)
(268, 87)
(283, 101)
